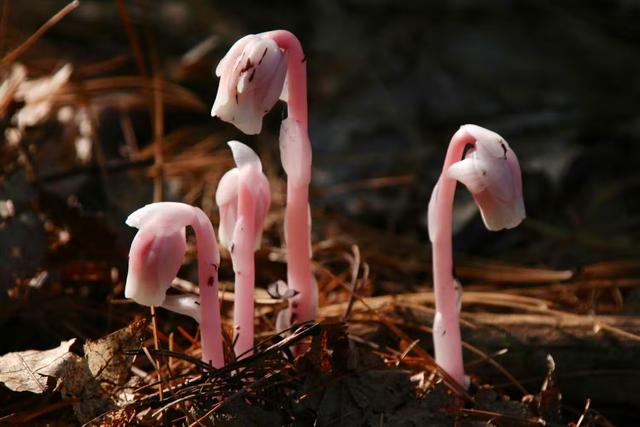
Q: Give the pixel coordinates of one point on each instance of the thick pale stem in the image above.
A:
(208, 261)
(299, 275)
(446, 328)
(304, 305)
(242, 253)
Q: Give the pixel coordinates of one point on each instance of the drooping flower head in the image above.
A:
(491, 172)
(252, 77)
(157, 251)
(248, 173)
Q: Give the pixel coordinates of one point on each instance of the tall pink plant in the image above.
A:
(252, 77)
(155, 257)
(491, 172)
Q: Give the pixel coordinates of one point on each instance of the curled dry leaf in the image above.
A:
(31, 370)
(92, 380)
(280, 290)
(95, 379)
(106, 356)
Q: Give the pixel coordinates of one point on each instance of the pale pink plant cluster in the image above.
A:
(257, 71)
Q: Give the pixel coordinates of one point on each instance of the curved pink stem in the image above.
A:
(242, 253)
(446, 325)
(296, 74)
(208, 262)
(299, 276)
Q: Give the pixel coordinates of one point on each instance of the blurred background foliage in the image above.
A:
(389, 83)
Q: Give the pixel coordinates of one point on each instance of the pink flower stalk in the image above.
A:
(155, 257)
(243, 198)
(490, 170)
(234, 100)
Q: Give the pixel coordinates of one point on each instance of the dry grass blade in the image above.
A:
(470, 298)
(587, 404)
(504, 273)
(133, 37)
(353, 288)
(158, 131)
(607, 269)
(28, 416)
(262, 296)
(15, 53)
(101, 67)
(171, 92)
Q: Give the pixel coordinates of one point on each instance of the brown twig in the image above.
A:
(156, 345)
(133, 37)
(15, 53)
(158, 131)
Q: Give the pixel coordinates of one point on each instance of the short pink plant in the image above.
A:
(156, 254)
(243, 198)
(491, 172)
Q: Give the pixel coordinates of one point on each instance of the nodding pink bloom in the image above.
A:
(295, 148)
(252, 76)
(490, 170)
(155, 257)
(243, 198)
(492, 174)
(249, 170)
(154, 261)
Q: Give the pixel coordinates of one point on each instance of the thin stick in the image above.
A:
(156, 345)
(25, 418)
(355, 268)
(171, 348)
(15, 53)
(158, 131)
(584, 413)
(133, 38)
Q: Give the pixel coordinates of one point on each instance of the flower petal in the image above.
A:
(249, 174)
(492, 174)
(154, 261)
(227, 201)
(243, 154)
(162, 217)
(469, 173)
(189, 305)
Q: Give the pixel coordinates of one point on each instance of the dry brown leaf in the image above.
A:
(106, 358)
(31, 370)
